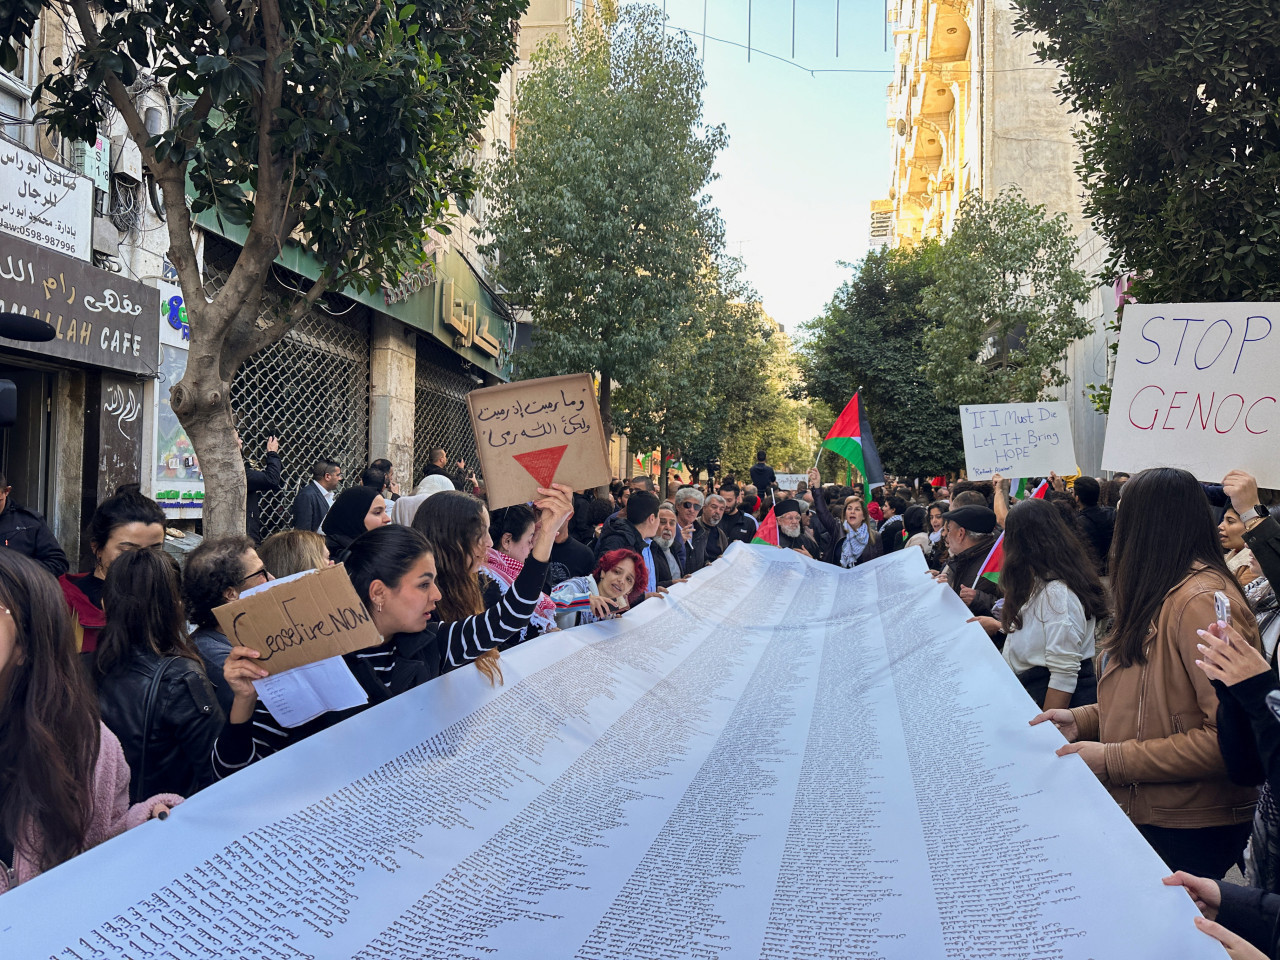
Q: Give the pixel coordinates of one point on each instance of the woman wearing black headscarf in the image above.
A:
(355, 511)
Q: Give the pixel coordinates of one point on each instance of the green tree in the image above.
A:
(598, 211)
(281, 105)
(1003, 303)
(871, 337)
(1179, 136)
(775, 418)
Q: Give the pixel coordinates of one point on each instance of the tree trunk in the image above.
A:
(606, 405)
(202, 402)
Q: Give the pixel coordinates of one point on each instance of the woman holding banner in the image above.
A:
(394, 572)
(1151, 738)
(854, 541)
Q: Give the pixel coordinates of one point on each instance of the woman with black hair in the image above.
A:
(1151, 738)
(152, 688)
(1053, 600)
(394, 572)
(64, 782)
(511, 530)
(123, 522)
(356, 511)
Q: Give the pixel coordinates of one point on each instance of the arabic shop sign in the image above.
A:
(99, 318)
(45, 203)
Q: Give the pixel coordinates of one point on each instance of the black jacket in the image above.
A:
(662, 569)
(619, 533)
(891, 534)
(962, 571)
(26, 532)
(309, 508)
(835, 541)
(1253, 914)
(708, 544)
(763, 477)
(452, 475)
(185, 724)
(260, 481)
(1099, 524)
(1264, 541)
(580, 525)
(739, 526)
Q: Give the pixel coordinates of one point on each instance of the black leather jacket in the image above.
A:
(185, 724)
(25, 531)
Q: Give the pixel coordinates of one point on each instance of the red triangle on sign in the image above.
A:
(542, 464)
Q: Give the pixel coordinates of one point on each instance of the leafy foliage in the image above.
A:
(1002, 304)
(344, 125)
(1179, 135)
(871, 337)
(599, 211)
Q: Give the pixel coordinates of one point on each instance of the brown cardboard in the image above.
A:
(300, 621)
(534, 431)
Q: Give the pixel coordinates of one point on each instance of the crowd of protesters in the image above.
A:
(1138, 613)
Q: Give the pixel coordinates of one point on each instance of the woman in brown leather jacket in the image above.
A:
(1151, 738)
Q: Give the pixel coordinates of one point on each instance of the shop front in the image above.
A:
(83, 396)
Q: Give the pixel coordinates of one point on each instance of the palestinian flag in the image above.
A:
(850, 437)
(991, 566)
(1025, 484)
(767, 532)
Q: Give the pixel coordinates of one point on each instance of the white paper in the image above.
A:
(788, 481)
(1017, 440)
(1195, 387)
(303, 693)
(782, 759)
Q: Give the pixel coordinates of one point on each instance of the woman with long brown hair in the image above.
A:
(1053, 600)
(1152, 736)
(64, 781)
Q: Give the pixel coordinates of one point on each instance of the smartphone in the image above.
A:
(1222, 607)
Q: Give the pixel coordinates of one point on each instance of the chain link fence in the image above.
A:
(310, 389)
(440, 417)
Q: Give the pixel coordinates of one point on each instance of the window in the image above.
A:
(15, 95)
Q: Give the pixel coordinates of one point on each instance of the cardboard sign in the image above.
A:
(789, 481)
(532, 432)
(300, 620)
(1017, 440)
(1196, 387)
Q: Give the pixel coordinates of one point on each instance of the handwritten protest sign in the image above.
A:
(1017, 440)
(535, 431)
(300, 620)
(1196, 387)
(789, 481)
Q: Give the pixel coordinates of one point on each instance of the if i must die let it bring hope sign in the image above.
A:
(1196, 387)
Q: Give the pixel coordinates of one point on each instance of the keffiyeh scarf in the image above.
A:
(503, 570)
(855, 541)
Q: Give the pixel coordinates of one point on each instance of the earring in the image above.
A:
(379, 602)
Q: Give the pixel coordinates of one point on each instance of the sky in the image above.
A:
(807, 153)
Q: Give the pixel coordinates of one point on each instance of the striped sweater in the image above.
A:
(401, 663)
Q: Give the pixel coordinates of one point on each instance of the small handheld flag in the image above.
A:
(767, 532)
(991, 566)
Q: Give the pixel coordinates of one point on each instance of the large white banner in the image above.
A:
(1196, 386)
(782, 760)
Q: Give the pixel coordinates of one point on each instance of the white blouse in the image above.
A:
(1055, 634)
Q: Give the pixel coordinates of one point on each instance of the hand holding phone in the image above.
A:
(1222, 607)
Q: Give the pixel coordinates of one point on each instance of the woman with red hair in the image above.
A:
(618, 582)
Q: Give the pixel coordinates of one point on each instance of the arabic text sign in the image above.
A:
(789, 481)
(763, 764)
(1017, 440)
(1196, 387)
(99, 317)
(300, 620)
(44, 202)
(533, 432)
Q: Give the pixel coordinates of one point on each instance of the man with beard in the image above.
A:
(709, 541)
(791, 534)
(670, 558)
(968, 532)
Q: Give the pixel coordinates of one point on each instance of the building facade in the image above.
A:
(83, 244)
(970, 108)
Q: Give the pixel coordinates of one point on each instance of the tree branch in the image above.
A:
(218, 13)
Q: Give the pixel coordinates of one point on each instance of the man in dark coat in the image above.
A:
(968, 531)
(762, 476)
(314, 500)
(791, 534)
(260, 481)
(709, 541)
(26, 532)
